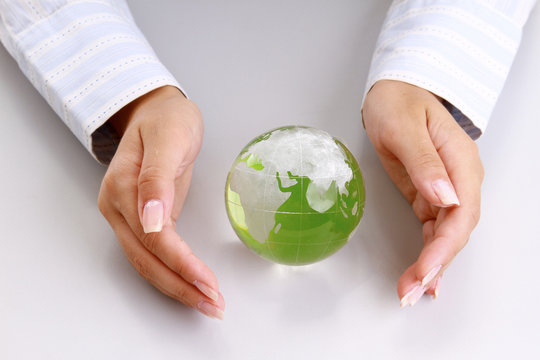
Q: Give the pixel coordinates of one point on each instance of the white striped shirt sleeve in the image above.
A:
(87, 58)
(460, 50)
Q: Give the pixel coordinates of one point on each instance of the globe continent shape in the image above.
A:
(295, 195)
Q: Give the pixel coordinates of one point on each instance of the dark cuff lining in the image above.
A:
(463, 121)
(105, 141)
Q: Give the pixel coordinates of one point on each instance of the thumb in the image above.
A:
(166, 155)
(414, 147)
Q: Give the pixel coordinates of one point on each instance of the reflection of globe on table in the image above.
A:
(294, 195)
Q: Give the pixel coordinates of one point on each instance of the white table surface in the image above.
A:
(68, 292)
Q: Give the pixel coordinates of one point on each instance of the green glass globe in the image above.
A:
(295, 195)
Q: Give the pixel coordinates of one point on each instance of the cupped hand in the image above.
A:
(436, 166)
(144, 189)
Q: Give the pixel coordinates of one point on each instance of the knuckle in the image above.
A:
(179, 267)
(481, 171)
(427, 160)
(150, 173)
(473, 148)
(195, 113)
(151, 241)
(104, 194)
(422, 210)
(474, 215)
(149, 176)
(108, 183)
(101, 203)
(181, 293)
(142, 266)
(457, 246)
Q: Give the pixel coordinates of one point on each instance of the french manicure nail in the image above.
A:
(405, 298)
(416, 295)
(445, 192)
(210, 310)
(152, 216)
(431, 275)
(437, 285)
(412, 296)
(206, 290)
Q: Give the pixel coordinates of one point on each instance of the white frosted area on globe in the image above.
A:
(320, 198)
(302, 152)
(305, 152)
(258, 210)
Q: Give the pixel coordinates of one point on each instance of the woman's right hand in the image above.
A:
(144, 189)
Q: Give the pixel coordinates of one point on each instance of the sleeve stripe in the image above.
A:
(87, 58)
(437, 63)
(447, 36)
(516, 10)
(56, 90)
(71, 100)
(117, 102)
(496, 34)
(60, 18)
(70, 31)
(36, 8)
(118, 81)
(461, 50)
(100, 45)
(460, 101)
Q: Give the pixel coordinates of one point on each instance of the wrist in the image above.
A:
(123, 118)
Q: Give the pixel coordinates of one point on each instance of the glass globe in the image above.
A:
(294, 195)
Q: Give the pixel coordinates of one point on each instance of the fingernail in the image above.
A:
(431, 275)
(152, 219)
(412, 296)
(405, 298)
(437, 285)
(206, 290)
(445, 192)
(416, 295)
(210, 310)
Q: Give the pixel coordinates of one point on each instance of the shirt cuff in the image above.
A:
(459, 50)
(88, 60)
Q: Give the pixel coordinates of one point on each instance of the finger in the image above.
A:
(435, 288)
(397, 172)
(451, 234)
(409, 289)
(454, 226)
(169, 247)
(410, 141)
(169, 148)
(452, 229)
(162, 277)
(410, 281)
(428, 230)
(444, 238)
(166, 245)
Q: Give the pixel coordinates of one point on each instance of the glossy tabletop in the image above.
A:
(68, 292)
